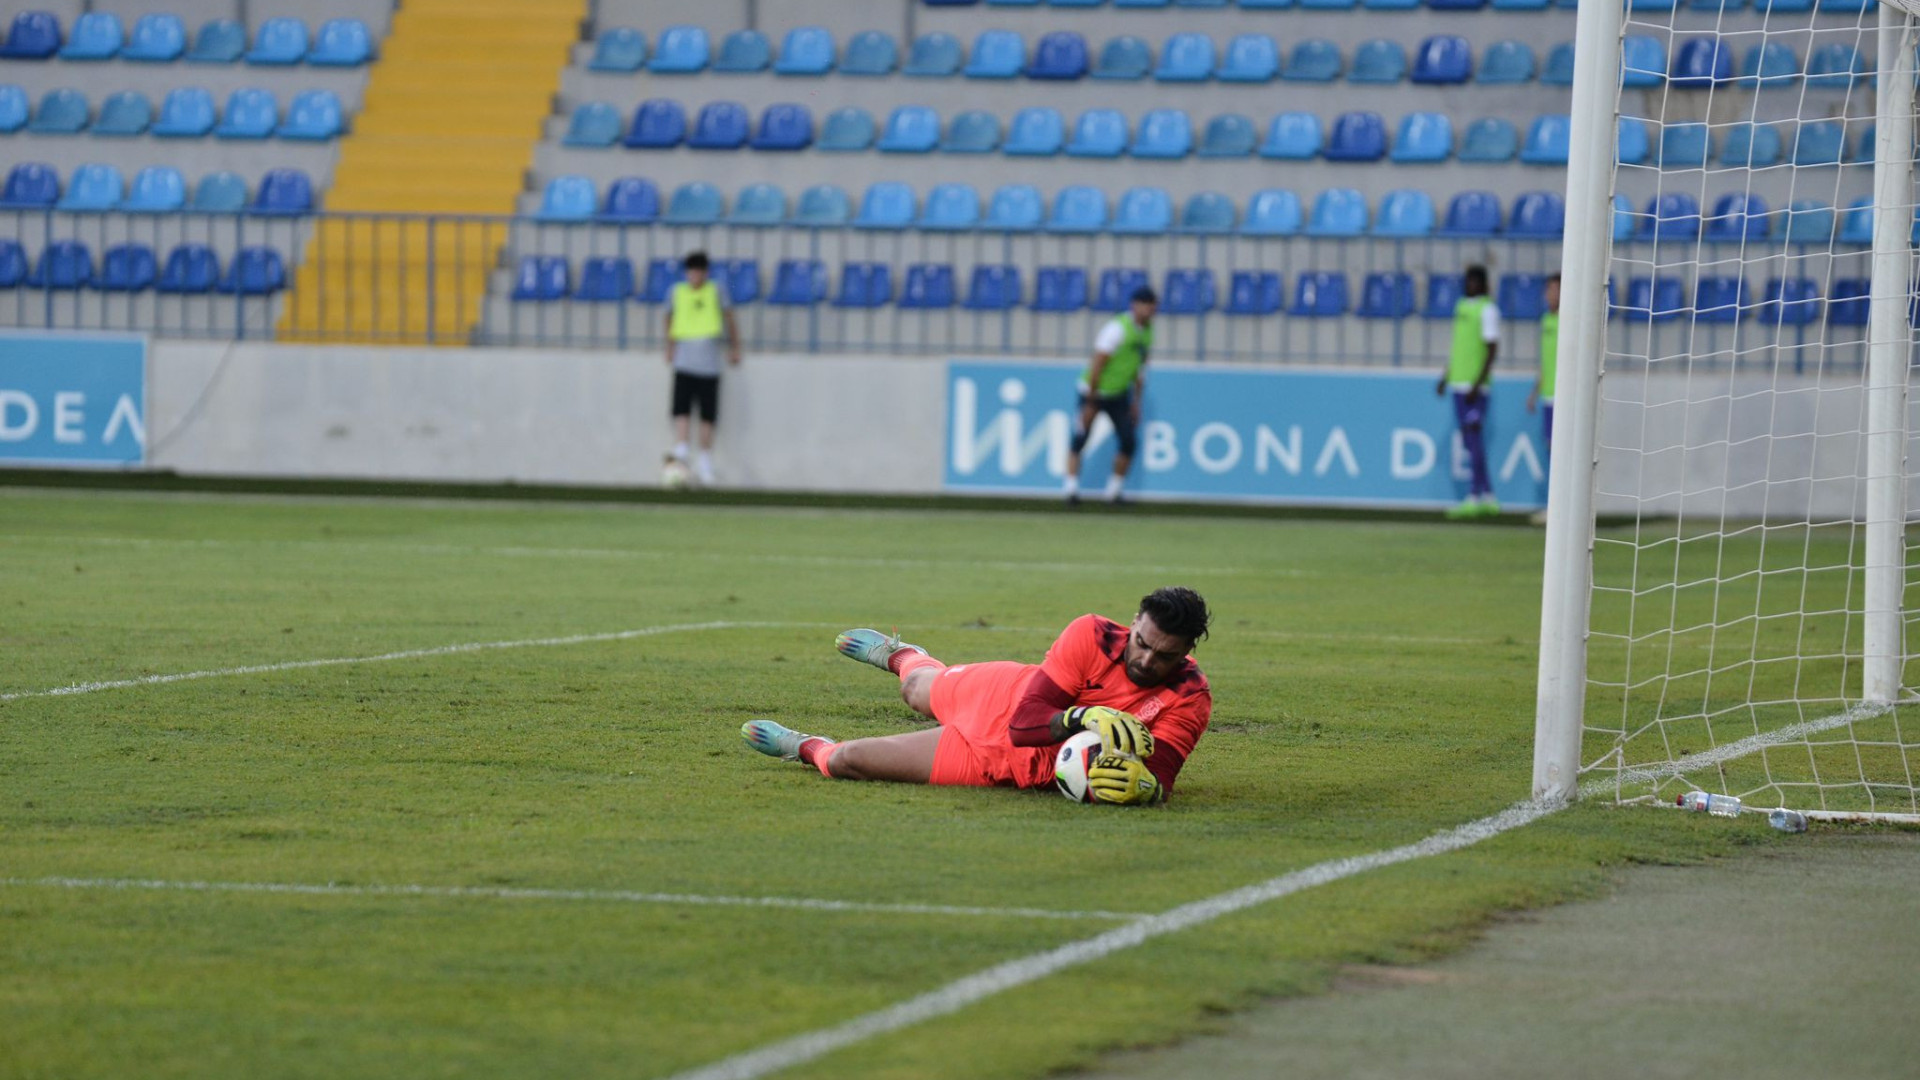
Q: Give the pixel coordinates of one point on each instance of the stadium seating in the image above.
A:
(14, 108)
(1015, 208)
(1319, 295)
(823, 205)
(1736, 218)
(222, 41)
(1060, 288)
(1188, 292)
(1547, 141)
(928, 287)
(1685, 146)
(219, 193)
(1522, 297)
(1378, 61)
(1207, 212)
(1273, 212)
(1643, 62)
(1143, 210)
(1035, 132)
(13, 264)
(1059, 55)
(1228, 135)
(93, 189)
(60, 112)
(341, 43)
(1385, 295)
(30, 186)
(157, 38)
(746, 52)
(1405, 214)
(997, 54)
(1443, 59)
(1250, 58)
(34, 35)
(1857, 225)
(255, 271)
(658, 123)
(1185, 58)
(886, 205)
(1506, 62)
(278, 42)
(1100, 133)
(1850, 301)
(1719, 299)
(1471, 213)
(933, 56)
(657, 282)
(1078, 209)
(870, 53)
(156, 189)
(1700, 63)
(96, 35)
(911, 129)
(1292, 136)
(721, 125)
(806, 50)
(1490, 141)
(993, 288)
(1164, 133)
(1538, 215)
(1671, 216)
(1338, 212)
(1807, 221)
(191, 269)
(63, 265)
(1357, 136)
(681, 50)
(1631, 143)
(784, 127)
(314, 115)
(594, 124)
(125, 114)
(1771, 65)
(864, 285)
(567, 198)
(1834, 67)
(1116, 287)
(127, 268)
(541, 277)
(1423, 137)
(1124, 57)
(1789, 302)
(605, 279)
(251, 113)
(620, 50)
(1818, 142)
(695, 203)
(630, 200)
(1558, 70)
(1654, 299)
(758, 205)
(1253, 292)
(950, 207)
(1312, 61)
(846, 130)
(283, 191)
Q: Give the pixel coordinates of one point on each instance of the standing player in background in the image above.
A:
(1476, 339)
(1542, 394)
(1000, 721)
(698, 311)
(1113, 384)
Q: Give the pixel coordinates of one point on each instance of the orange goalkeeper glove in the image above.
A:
(1122, 780)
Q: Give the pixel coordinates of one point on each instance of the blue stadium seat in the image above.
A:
(315, 115)
(1164, 133)
(277, 43)
(61, 112)
(1856, 225)
(1099, 133)
(1357, 136)
(1124, 57)
(1143, 210)
(994, 288)
(1807, 221)
(798, 283)
(1685, 146)
(681, 50)
(1719, 299)
(1850, 303)
(283, 191)
(605, 279)
(1405, 213)
(1272, 212)
(1423, 137)
(743, 52)
(997, 54)
(251, 113)
(127, 268)
(951, 207)
(30, 186)
(1185, 58)
(1207, 212)
(721, 125)
(1014, 208)
(594, 124)
(784, 126)
(1522, 297)
(1116, 288)
(1390, 5)
(972, 132)
(1443, 59)
(63, 265)
(14, 108)
(124, 114)
(1187, 292)
(1737, 218)
(255, 271)
(1558, 70)
(1059, 55)
(886, 205)
(1834, 67)
(1378, 61)
(1782, 7)
(928, 287)
(1326, 5)
(219, 193)
(93, 189)
(823, 205)
(1643, 61)
(870, 53)
(541, 277)
(1253, 292)
(1292, 136)
(13, 264)
(1818, 142)
(1490, 140)
(191, 270)
(1133, 3)
(157, 189)
(1078, 209)
(221, 41)
(1862, 152)
(912, 129)
(1035, 132)
(1770, 65)
(1631, 143)
(657, 283)
(865, 285)
(1538, 215)
(1654, 299)
(1651, 5)
(1256, 5)
(658, 123)
(933, 56)
(1789, 302)
(806, 50)
(1319, 295)
(1060, 288)
(1548, 139)
(1456, 5)
(1228, 135)
(1623, 219)
(630, 200)
(1506, 62)
(758, 205)
(1250, 58)
(1338, 212)
(1443, 292)
(1671, 216)
(847, 129)
(695, 203)
(741, 278)
(1385, 295)
(341, 43)
(1700, 63)
(34, 35)
(1472, 213)
(157, 38)
(96, 35)
(1314, 60)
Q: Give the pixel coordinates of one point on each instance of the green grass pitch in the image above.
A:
(1373, 684)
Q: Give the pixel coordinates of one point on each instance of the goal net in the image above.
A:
(1747, 343)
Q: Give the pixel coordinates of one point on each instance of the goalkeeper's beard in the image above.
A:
(1142, 678)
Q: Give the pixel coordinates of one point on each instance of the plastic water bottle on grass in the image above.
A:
(1787, 820)
(1717, 805)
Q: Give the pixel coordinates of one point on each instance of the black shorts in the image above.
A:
(1119, 409)
(691, 390)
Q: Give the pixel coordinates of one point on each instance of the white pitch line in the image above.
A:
(614, 896)
(1000, 978)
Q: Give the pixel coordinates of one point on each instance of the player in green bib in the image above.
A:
(1542, 394)
(1113, 384)
(1476, 340)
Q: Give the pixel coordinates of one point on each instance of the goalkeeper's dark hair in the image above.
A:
(1177, 610)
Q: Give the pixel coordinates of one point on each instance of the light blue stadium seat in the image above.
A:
(30, 186)
(1187, 292)
(1443, 59)
(1685, 146)
(1014, 208)
(190, 270)
(567, 198)
(96, 35)
(1700, 63)
(784, 126)
(1390, 5)
(951, 207)
(1164, 133)
(314, 115)
(681, 50)
(1386, 295)
(605, 279)
(1789, 302)
(1506, 62)
(1185, 58)
(759, 205)
(1818, 142)
(1856, 226)
(1271, 5)
(1538, 215)
(1116, 288)
(1143, 210)
(1140, 3)
(126, 113)
(63, 265)
(541, 278)
(61, 112)
(593, 124)
(1623, 219)
(1378, 61)
(279, 42)
(743, 52)
(220, 193)
(1807, 221)
(251, 113)
(929, 287)
(695, 203)
(157, 189)
(1292, 136)
(972, 132)
(1558, 70)
(1631, 143)
(806, 50)
(1357, 136)
(1490, 140)
(847, 129)
(34, 35)
(823, 205)
(1718, 299)
(221, 41)
(1736, 218)
(1643, 61)
(1752, 145)
(1547, 140)
(798, 283)
(1319, 295)
(1423, 137)
(1228, 135)
(1314, 60)
(341, 43)
(721, 125)
(1060, 55)
(864, 285)
(1060, 288)
(1099, 133)
(1326, 5)
(1443, 292)
(1671, 216)
(1124, 57)
(1253, 292)
(1036, 132)
(1338, 212)
(282, 191)
(911, 129)
(632, 200)
(886, 205)
(1519, 5)
(1272, 212)
(127, 268)
(658, 123)
(1250, 58)
(870, 53)
(1405, 213)
(14, 108)
(1770, 65)
(997, 54)
(255, 271)
(1472, 213)
(1835, 67)
(933, 56)
(1078, 209)
(660, 278)
(1207, 212)
(993, 288)
(157, 38)
(1522, 297)
(93, 189)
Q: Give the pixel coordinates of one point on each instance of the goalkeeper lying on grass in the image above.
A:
(1000, 721)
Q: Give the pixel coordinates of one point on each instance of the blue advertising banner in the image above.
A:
(72, 400)
(1336, 438)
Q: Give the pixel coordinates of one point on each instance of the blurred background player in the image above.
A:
(1000, 721)
(1542, 394)
(1113, 384)
(1476, 339)
(698, 312)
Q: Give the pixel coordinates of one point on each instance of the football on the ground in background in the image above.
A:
(1070, 764)
(674, 475)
